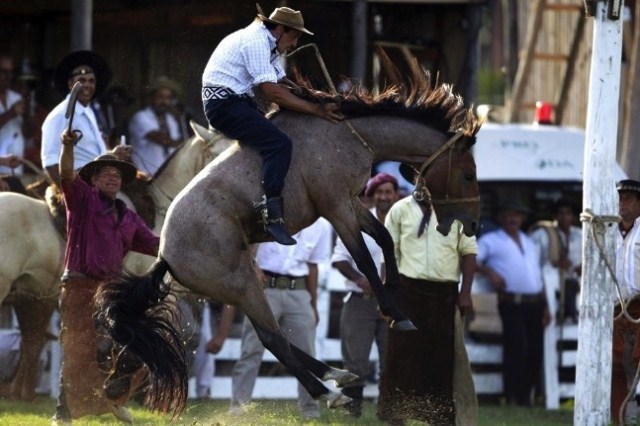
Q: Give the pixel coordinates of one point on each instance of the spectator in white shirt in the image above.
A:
(92, 71)
(12, 109)
(154, 130)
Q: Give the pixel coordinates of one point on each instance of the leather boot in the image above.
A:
(354, 408)
(274, 223)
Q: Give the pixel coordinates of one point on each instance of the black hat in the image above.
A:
(628, 185)
(515, 206)
(75, 59)
(127, 169)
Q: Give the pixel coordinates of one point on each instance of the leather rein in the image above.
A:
(421, 193)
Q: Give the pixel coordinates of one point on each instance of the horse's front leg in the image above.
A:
(370, 225)
(348, 229)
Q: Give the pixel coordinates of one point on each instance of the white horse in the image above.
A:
(32, 251)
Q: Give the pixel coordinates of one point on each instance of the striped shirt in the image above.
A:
(628, 261)
(244, 59)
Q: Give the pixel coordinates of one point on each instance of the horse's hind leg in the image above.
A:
(254, 304)
(33, 319)
(322, 370)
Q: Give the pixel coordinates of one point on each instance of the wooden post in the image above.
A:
(593, 366)
(81, 24)
(359, 47)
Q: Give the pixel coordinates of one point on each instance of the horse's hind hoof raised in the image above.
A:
(341, 377)
(404, 325)
(335, 399)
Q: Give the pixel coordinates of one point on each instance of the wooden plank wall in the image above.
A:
(557, 33)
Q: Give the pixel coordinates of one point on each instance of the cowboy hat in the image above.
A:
(285, 16)
(127, 169)
(164, 82)
(514, 206)
(73, 60)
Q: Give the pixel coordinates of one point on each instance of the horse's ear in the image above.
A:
(465, 143)
(201, 131)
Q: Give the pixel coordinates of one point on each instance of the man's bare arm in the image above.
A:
(67, 174)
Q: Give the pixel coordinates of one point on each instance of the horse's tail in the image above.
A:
(136, 315)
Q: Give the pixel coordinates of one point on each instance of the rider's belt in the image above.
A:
(518, 298)
(284, 282)
(220, 92)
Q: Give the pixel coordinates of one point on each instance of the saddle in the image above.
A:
(137, 190)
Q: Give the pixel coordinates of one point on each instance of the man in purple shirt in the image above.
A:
(101, 231)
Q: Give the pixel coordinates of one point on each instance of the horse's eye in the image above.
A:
(469, 176)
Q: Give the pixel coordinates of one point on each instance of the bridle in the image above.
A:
(421, 193)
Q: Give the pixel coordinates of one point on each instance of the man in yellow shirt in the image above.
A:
(424, 368)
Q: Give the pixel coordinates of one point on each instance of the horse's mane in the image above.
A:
(418, 99)
(169, 157)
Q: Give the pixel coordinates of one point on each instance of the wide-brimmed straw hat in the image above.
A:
(76, 59)
(127, 169)
(164, 82)
(515, 206)
(285, 16)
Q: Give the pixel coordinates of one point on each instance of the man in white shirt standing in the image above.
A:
(250, 58)
(92, 71)
(361, 322)
(154, 130)
(560, 244)
(12, 109)
(511, 262)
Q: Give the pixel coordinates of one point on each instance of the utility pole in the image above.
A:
(81, 25)
(593, 365)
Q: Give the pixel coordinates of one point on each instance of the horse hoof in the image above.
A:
(335, 399)
(341, 377)
(404, 325)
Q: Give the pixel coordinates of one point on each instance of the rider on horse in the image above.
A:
(245, 59)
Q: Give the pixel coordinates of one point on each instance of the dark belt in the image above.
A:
(284, 282)
(361, 295)
(220, 92)
(518, 298)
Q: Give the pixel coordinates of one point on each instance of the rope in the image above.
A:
(598, 227)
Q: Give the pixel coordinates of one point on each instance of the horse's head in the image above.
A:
(449, 176)
(187, 161)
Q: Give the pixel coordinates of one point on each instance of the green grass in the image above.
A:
(262, 413)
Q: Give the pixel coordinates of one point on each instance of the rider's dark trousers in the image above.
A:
(239, 118)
